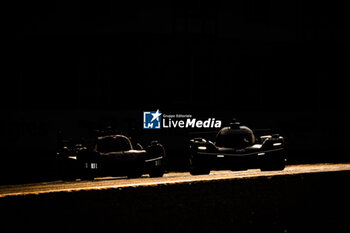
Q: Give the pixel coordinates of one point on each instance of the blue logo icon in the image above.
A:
(151, 120)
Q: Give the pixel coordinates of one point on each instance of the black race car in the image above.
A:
(112, 155)
(236, 148)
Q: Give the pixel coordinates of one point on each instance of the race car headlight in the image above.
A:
(277, 144)
(202, 148)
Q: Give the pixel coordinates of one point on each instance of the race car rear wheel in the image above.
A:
(68, 170)
(274, 165)
(134, 174)
(68, 177)
(87, 177)
(156, 172)
(197, 170)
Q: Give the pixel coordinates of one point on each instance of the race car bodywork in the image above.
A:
(236, 148)
(113, 155)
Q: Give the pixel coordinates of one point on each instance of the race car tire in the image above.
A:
(67, 171)
(195, 169)
(277, 165)
(156, 172)
(134, 174)
(68, 177)
(199, 171)
(158, 169)
(87, 177)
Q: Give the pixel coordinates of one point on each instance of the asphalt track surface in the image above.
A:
(167, 179)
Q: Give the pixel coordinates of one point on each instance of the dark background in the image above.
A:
(77, 66)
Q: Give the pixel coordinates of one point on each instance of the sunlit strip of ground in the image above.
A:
(170, 178)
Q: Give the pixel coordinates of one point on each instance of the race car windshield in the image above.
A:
(113, 144)
(234, 140)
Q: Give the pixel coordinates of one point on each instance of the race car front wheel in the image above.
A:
(158, 169)
(134, 174)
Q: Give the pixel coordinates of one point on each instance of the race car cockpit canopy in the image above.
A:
(113, 143)
(235, 136)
